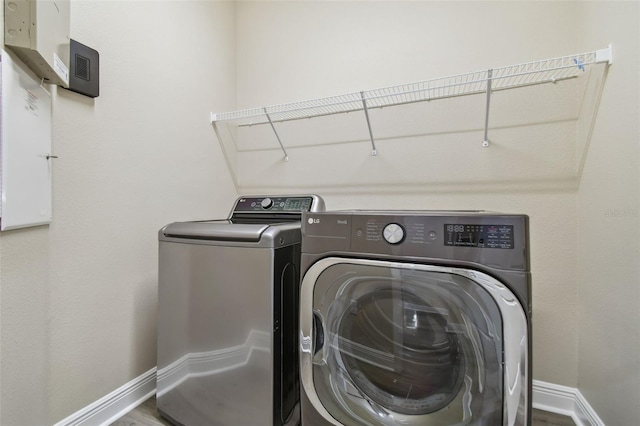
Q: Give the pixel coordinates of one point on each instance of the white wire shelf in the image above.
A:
(479, 82)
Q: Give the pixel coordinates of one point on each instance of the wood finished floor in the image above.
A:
(147, 415)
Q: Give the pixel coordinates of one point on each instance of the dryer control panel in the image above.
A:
(492, 239)
(489, 236)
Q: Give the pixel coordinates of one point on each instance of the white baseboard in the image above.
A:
(546, 396)
(111, 407)
(564, 400)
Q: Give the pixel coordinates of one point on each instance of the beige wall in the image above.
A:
(609, 224)
(290, 51)
(79, 297)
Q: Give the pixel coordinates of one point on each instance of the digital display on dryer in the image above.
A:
(481, 236)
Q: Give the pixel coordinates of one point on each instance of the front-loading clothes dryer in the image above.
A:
(228, 293)
(415, 318)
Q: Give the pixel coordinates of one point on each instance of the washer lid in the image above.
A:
(215, 230)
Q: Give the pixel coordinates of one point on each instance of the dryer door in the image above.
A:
(387, 343)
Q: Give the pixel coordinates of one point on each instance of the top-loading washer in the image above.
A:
(415, 318)
(228, 293)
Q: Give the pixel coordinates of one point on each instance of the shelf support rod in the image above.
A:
(485, 141)
(374, 151)
(286, 156)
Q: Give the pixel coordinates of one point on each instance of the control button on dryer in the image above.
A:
(393, 233)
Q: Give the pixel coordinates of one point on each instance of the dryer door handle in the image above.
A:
(318, 333)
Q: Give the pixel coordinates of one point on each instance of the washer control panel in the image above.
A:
(274, 204)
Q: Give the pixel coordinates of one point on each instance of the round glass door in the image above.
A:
(424, 368)
(406, 346)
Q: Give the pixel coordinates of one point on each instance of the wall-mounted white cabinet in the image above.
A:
(25, 147)
(38, 32)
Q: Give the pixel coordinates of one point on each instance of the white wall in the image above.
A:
(79, 297)
(609, 223)
(290, 51)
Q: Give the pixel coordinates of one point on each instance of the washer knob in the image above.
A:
(393, 233)
(266, 203)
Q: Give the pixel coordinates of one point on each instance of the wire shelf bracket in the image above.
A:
(374, 151)
(286, 156)
(481, 82)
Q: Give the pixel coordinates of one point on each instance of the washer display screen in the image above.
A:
(297, 204)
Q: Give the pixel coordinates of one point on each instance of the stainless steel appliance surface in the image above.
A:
(415, 318)
(228, 294)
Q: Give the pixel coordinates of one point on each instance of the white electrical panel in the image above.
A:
(25, 147)
(38, 32)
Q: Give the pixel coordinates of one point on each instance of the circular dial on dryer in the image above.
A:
(266, 203)
(393, 233)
